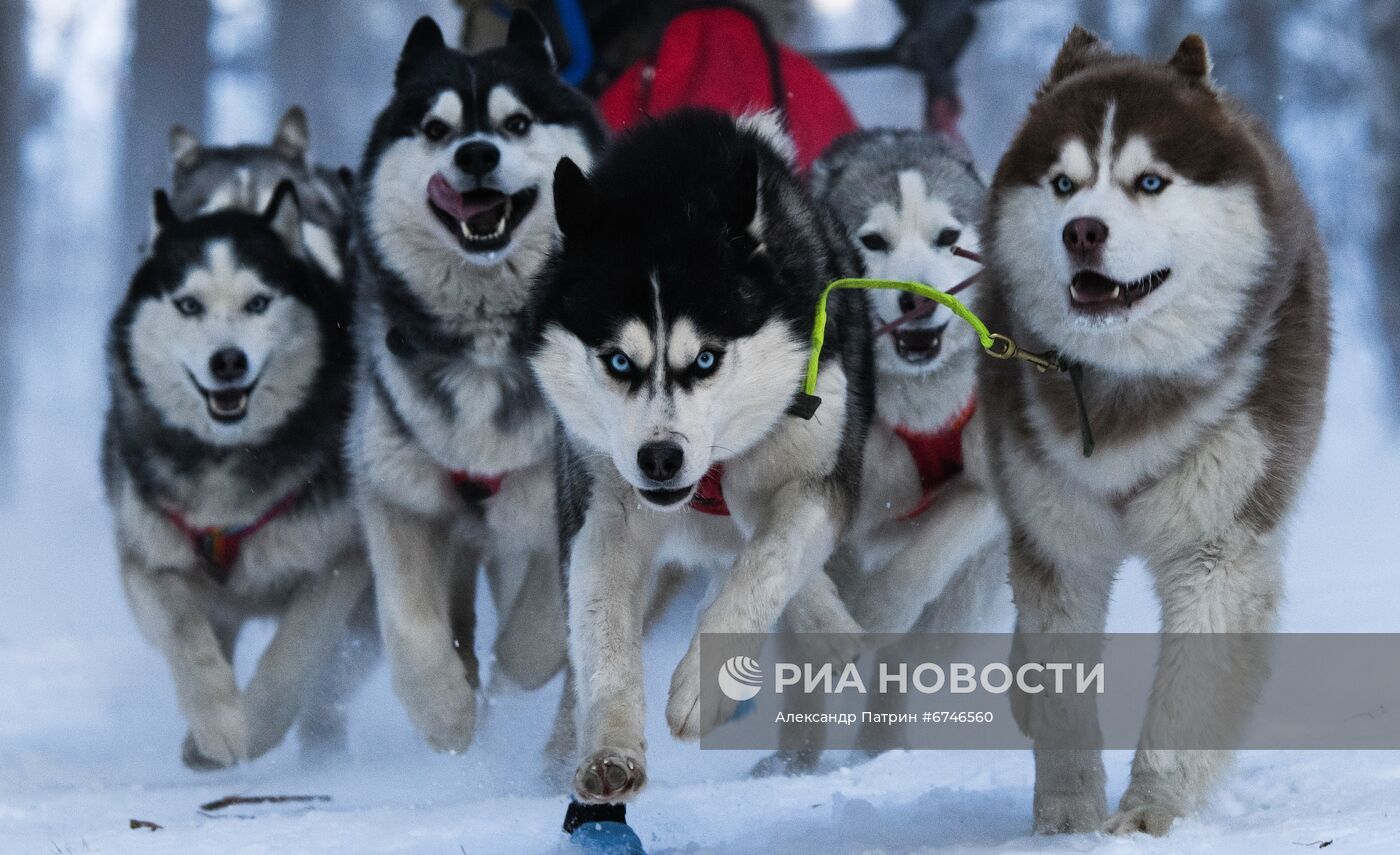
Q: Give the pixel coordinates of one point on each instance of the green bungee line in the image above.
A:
(809, 386)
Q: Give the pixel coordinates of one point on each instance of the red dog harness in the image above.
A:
(219, 546)
(937, 456)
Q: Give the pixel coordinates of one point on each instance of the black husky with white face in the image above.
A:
(671, 332)
(673, 327)
(230, 337)
(456, 175)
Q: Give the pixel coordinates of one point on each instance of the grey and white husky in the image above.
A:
(672, 333)
(1147, 229)
(926, 550)
(229, 368)
(451, 445)
(211, 178)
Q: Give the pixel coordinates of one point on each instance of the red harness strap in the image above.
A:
(218, 545)
(476, 488)
(937, 456)
(709, 494)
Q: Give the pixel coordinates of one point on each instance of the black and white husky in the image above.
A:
(672, 332)
(229, 367)
(926, 550)
(207, 178)
(451, 445)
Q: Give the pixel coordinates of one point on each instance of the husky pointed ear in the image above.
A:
(184, 147)
(1192, 60)
(292, 137)
(1081, 49)
(424, 39)
(739, 197)
(283, 215)
(577, 204)
(526, 33)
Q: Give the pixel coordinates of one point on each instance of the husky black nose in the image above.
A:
(477, 158)
(1085, 236)
(660, 461)
(909, 302)
(228, 364)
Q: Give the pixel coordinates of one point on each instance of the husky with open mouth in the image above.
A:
(1146, 229)
(926, 550)
(230, 368)
(672, 331)
(205, 178)
(451, 445)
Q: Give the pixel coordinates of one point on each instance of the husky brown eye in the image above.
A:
(948, 237)
(189, 307)
(257, 305)
(874, 242)
(1062, 184)
(517, 123)
(1151, 183)
(435, 129)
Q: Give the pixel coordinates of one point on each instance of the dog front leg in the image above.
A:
(316, 618)
(413, 560)
(961, 524)
(1217, 600)
(606, 593)
(1053, 598)
(532, 643)
(174, 615)
(792, 541)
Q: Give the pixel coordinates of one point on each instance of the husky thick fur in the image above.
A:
(926, 550)
(1144, 227)
(211, 178)
(673, 329)
(230, 380)
(451, 445)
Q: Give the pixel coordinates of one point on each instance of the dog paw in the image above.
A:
(218, 737)
(610, 775)
(787, 763)
(1069, 813)
(1153, 819)
(690, 713)
(442, 709)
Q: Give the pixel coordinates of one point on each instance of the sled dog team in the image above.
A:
(509, 348)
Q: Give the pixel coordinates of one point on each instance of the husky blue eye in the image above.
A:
(705, 361)
(1062, 184)
(189, 307)
(1151, 182)
(619, 363)
(257, 305)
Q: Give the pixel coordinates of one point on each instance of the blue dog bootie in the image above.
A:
(601, 830)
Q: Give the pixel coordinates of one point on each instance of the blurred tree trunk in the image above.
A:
(1383, 29)
(168, 82)
(14, 121)
(1097, 16)
(1168, 21)
(314, 64)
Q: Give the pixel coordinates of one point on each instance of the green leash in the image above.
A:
(995, 345)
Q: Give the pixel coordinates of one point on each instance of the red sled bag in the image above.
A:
(721, 56)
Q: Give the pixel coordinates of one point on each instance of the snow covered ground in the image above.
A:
(89, 732)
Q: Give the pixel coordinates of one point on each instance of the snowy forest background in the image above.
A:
(89, 733)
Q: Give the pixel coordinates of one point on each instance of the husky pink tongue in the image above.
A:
(463, 207)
